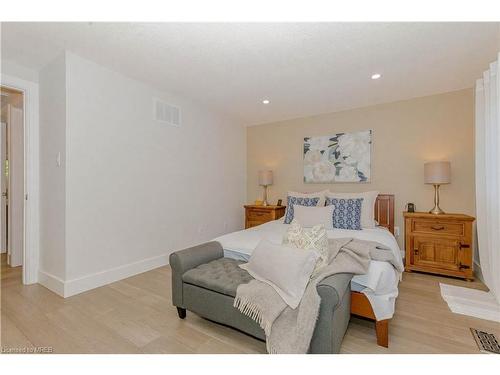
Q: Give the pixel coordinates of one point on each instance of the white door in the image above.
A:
(15, 150)
(3, 188)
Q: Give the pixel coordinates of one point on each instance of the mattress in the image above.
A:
(379, 284)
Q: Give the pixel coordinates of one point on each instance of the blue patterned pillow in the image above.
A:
(290, 201)
(347, 212)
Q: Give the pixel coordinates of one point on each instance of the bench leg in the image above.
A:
(181, 312)
(382, 330)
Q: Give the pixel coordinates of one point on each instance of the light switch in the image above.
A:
(396, 231)
(58, 159)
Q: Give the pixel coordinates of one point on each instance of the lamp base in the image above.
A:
(264, 198)
(436, 211)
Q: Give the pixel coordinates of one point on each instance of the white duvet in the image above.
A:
(379, 284)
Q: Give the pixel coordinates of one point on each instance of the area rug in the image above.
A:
(472, 302)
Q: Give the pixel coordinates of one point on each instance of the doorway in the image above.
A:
(12, 180)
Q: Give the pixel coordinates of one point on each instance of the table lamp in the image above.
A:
(437, 173)
(265, 179)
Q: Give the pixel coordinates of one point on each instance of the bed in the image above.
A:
(373, 295)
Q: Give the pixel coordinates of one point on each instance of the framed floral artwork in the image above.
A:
(343, 157)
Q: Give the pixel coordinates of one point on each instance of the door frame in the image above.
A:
(31, 246)
(3, 209)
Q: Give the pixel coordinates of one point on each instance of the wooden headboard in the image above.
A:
(384, 211)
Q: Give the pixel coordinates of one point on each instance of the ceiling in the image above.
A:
(302, 68)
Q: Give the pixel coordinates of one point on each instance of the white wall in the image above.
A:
(52, 177)
(129, 190)
(498, 38)
(136, 189)
(13, 69)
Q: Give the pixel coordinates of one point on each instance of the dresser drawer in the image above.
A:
(259, 215)
(438, 227)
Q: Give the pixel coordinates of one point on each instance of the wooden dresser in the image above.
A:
(256, 215)
(440, 244)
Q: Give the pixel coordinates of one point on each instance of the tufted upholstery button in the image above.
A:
(221, 275)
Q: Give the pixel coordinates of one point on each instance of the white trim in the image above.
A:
(82, 284)
(31, 249)
(98, 279)
(51, 282)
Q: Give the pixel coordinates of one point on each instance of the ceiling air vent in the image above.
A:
(166, 113)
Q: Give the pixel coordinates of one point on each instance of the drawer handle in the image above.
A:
(415, 251)
(437, 228)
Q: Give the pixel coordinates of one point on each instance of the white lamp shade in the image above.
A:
(437, 172)
(265, 178)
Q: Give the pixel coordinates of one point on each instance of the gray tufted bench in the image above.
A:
(221, 275)
(205, 282)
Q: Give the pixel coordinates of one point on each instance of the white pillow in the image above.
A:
(310, 216)
(286, 269)
(319, 197)
(367, 207)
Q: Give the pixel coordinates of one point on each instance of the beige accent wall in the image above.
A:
(405, 135)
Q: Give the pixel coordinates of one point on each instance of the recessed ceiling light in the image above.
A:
(376, 76)
(265, 101)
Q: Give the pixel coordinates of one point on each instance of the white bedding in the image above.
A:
(380, 284)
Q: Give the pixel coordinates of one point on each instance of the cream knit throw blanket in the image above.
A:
(290, 330)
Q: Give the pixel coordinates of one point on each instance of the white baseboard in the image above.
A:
(82, 284)
(51, 282)
(96, 280)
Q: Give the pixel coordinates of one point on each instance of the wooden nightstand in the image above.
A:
(440, 244)
(256, 215)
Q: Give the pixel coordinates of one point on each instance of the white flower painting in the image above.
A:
(344, 157)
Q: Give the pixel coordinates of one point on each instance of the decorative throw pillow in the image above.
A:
(308, 239)
(367, 208)
(286, 269)
(303, 199)
(318, 194)
(347, 213)
(308, 217)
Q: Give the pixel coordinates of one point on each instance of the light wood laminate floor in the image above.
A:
(135, 315)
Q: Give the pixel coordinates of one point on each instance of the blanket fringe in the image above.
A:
(254, 312)
(270, 348)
